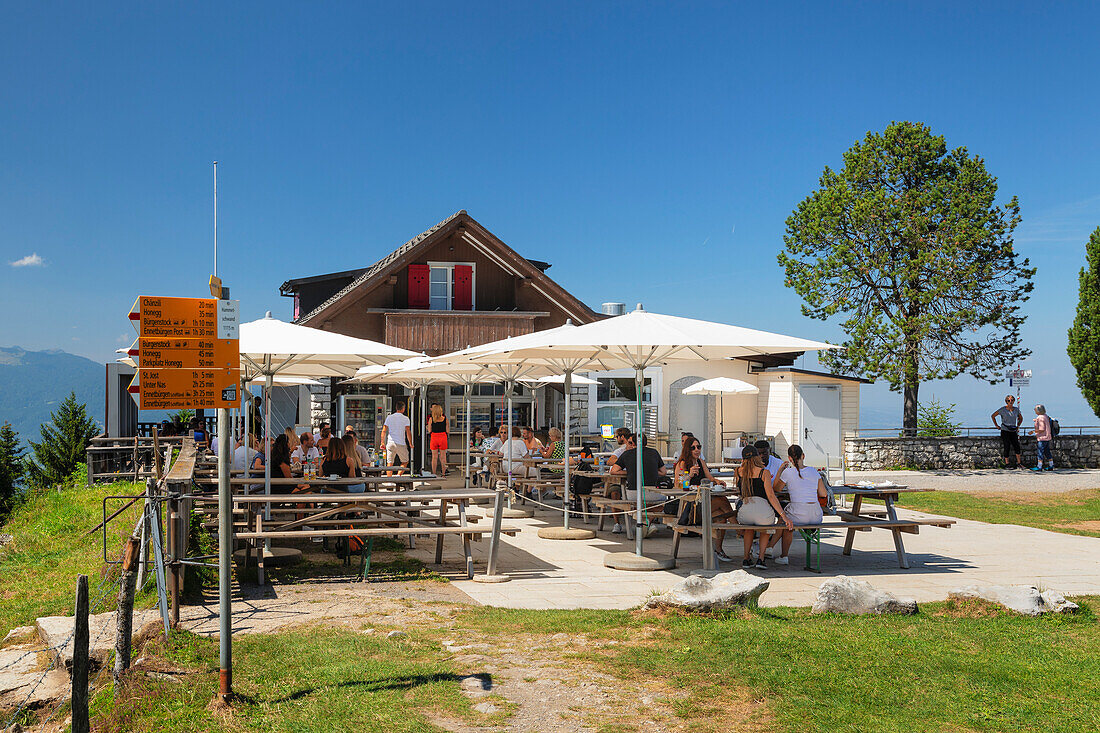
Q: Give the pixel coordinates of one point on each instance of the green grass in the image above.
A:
(1055, 512)
(38, 568)
(951, 667)
(313, 679)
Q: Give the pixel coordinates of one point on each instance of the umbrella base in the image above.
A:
(630, 561)
(273, 557)
(497, 578)
(561, 533)
(516, 513)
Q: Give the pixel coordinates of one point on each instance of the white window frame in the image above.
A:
(450, 267)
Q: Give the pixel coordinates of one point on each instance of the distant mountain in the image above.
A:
(33, 384)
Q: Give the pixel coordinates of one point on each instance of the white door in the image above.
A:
(820, 423)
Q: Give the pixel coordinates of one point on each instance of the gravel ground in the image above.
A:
(986, 479)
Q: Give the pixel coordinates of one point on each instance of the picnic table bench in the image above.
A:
(852, 520)
(407, 512)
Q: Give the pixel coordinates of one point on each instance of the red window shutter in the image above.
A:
(418, 286)
(463, 298)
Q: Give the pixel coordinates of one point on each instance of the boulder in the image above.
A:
(56, 632)
(848, 595)
(699, 593)
(24, 677)
(1025, 599)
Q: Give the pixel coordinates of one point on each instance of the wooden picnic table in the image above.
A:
(408, 512)
(852, 520)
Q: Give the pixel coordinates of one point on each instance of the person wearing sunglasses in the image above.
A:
(1010, 418)
(690, 464)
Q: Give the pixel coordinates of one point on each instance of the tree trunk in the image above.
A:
(909, 418)
(912, 385)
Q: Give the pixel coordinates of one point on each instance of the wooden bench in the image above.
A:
(811, 533)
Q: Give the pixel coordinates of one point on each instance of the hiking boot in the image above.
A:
(617, 529)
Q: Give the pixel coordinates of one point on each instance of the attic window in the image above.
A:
(450, 286)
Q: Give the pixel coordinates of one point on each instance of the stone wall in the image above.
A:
(320, 402)
(868, 454)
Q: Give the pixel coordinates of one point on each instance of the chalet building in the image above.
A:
(458, 285)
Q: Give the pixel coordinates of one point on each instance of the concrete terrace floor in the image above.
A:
(571, 574)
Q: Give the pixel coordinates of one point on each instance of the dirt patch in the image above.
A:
(1089, 525)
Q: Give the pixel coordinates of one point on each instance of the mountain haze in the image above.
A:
(33, 384)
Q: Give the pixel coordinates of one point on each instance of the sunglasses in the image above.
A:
(697, 447)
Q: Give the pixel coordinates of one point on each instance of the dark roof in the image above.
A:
(795, 370)
(288, 287)
(382, 264)
(369, 272)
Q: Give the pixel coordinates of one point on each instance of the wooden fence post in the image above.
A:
(80, 657)
(124, 619)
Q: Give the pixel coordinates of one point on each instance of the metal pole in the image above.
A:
(639, 529)
(225, 557)
(466, 395)
(708, 533)
(508, 402)
(80, 722)
(568, 389)
(267, 447)
(215, 218)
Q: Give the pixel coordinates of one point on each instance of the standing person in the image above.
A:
(437, 426)
(396, 436)
(692, 465)
(759, 505)
(805, 487)
(323, 441)
(1010, 418)
(1044, 434)
(255, 417)
(771, 462)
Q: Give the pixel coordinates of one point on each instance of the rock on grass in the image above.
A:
(735, 589)
(848, 595)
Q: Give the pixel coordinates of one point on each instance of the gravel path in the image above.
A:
(986, 479)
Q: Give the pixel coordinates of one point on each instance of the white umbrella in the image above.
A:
(285, 381)
(560, 379)
(721, 386)
(637, 340)
(270, 348)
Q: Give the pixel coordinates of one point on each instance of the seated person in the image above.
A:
(338, 463)
(692, 465)
(554, 451)
(533, 444)
(806, 488)
(512, 451)
(306, 450)
(679, 451)
(494, 443)
(280, 467)
(759, 506)
(771, 462)
(198, 431)
(622, 437)
(351, 450)
(653, 467)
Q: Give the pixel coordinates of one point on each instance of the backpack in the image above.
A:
(1055, 428)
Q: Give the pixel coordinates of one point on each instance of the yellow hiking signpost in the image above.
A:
(187, 353)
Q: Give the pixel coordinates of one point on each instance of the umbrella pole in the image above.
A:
(267, 453)
(568, 388)
(639, 529)
(508, 402)
(466, 394)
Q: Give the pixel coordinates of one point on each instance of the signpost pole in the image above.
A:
(225, 557)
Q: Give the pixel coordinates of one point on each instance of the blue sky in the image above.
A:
(650, 151)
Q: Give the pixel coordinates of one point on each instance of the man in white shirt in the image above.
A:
(513, 450)
(242, 456)
(306, 450)
(396, 436)
(765, 449)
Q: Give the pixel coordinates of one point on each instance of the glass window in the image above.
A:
(622, 389)
(439, 288)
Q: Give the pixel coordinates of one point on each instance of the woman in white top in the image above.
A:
(804, 486)
(513, 451)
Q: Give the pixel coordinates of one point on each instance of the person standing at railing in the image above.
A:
(1044, 434)
(1010, 418)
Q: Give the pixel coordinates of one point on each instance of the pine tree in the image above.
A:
(1084, 335)
(11, 469)
(64, 442)
(907, 243)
